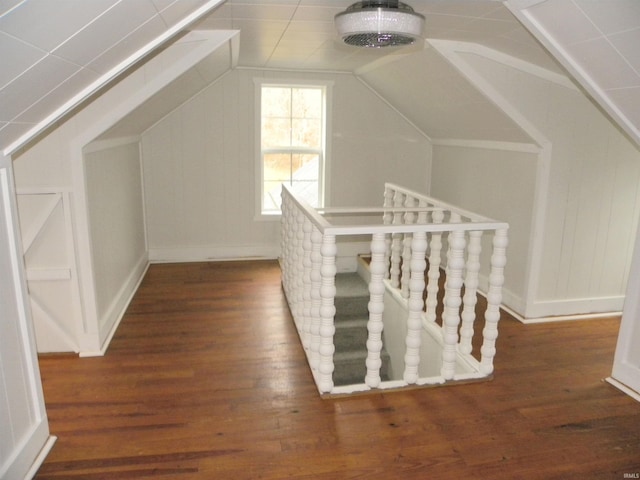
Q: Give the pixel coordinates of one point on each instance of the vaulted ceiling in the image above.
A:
(54, 52)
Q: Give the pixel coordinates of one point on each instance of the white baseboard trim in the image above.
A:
(564, 318)
(213, 253)
(622, 387)
(118, 307)
(39, 460)
(576, 308)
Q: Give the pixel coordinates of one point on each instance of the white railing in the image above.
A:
(413, 240)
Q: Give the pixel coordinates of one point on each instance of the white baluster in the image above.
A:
(494, 299)
(376, 308)
(396, 242)
(316, 283)
(409, 218)
(307, 227)
(452, 301)
(387, 219)
(327, 313)
(470, 297)
(416, 303)
(298, 269)
(283, 237)
(288, 263)
(435, 247)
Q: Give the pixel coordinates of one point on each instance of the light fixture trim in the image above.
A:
(375, 26)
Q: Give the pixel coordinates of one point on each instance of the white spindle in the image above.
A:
(288, 261)
(409, 218)
(415, 304)
(376, 308)
(327, 312)
(387, 219)
(470, 297)
(494, 298)
(435, 248)
(396, 242)
(316, 301)
(298, 270)
(307, 227)
(452, 301)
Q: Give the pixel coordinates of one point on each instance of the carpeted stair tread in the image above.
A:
(351, 335)
(350, 339)
(352, 297)
(350, 367)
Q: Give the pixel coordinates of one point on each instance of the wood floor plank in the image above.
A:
(206, 379)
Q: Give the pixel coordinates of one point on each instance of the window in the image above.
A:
(292, 143)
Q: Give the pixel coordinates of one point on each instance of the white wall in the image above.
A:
(55, 162)
(496, 183)
(116, 224)
(200, 166)
(592, 196)
(23, 419)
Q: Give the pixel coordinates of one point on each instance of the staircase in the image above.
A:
(350, 338)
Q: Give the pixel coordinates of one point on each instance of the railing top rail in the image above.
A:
(317, 219)
(357, 220)
(436, 202)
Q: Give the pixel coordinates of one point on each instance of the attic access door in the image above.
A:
(23, 420)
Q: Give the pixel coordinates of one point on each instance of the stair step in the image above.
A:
(352, 314)
(351, 335)
(350, 367)
(352, 297)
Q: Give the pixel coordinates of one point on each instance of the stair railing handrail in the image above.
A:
(309, 270)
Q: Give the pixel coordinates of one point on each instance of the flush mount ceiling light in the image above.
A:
(377, 24)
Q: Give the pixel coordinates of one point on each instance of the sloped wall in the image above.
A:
(200, 165)
(105, 187)
(586, 201)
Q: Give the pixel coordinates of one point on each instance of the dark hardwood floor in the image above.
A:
(206, 379)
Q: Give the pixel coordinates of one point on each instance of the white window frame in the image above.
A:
(324, 156)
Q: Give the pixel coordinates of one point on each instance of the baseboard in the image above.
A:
(622, 387)
(112, 318)
(39, 460)
(213, 253)
(574, 309)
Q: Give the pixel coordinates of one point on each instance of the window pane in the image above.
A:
(272, 199)
(291, 117)
(308, 190)
(276, 102)
(276, 132)
(306, 133)
(304, 167)
(277, 167)
(306, 103)
(304, 181)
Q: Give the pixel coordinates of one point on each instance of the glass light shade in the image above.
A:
(379, 27)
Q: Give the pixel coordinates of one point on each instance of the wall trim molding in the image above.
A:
(499, 57)
(116, 310)
(108, 143)
(213, 253)
(487, 144)
(111, 75)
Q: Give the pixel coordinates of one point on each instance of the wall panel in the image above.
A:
(200, 165)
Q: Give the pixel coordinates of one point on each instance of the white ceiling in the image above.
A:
(300, 34)
(73, 43)
(597, 41)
